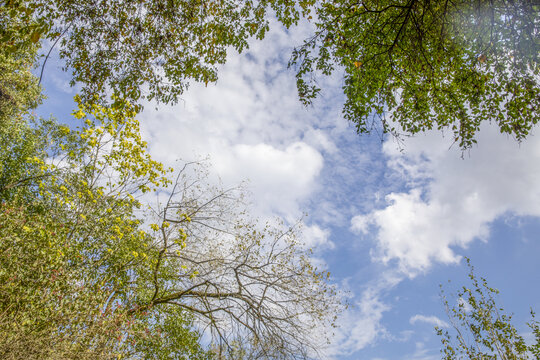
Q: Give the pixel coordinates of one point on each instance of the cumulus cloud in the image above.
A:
(279, 179)
(450, 201)
(251, 126)
(447, 202)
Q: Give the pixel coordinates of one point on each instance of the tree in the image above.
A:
(72, 248)
(86, 273)
(144, 48)
(482, 329)
(253, 287)
(417, 65)
(208, 258)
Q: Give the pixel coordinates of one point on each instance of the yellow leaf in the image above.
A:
(35, 36)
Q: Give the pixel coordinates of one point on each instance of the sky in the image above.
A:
(390, 220)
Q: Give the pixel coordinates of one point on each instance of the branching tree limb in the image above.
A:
(240, 279)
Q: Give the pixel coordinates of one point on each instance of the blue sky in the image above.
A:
(390, 221)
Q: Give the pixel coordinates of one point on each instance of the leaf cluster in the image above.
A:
(416, 65)
(143, 49)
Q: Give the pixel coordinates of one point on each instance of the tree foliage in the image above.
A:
(414, 65)
(87, 272)
(73, 247)
(142, 49)
(418, 64)
(482, 329)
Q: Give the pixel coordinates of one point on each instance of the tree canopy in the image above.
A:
(409, 65)
(416, 65)
(141, 49)
(89, 271)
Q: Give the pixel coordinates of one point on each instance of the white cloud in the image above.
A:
(432, 320)
(252, 127)
(447, 203)
(279, 179)
(317, 238)
(360, 325)
(451, 201)
(361, 223)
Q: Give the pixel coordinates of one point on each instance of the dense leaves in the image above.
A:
(74, 251)
(142, 49)
(418, 64)
(410, 65)
(89, 272)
